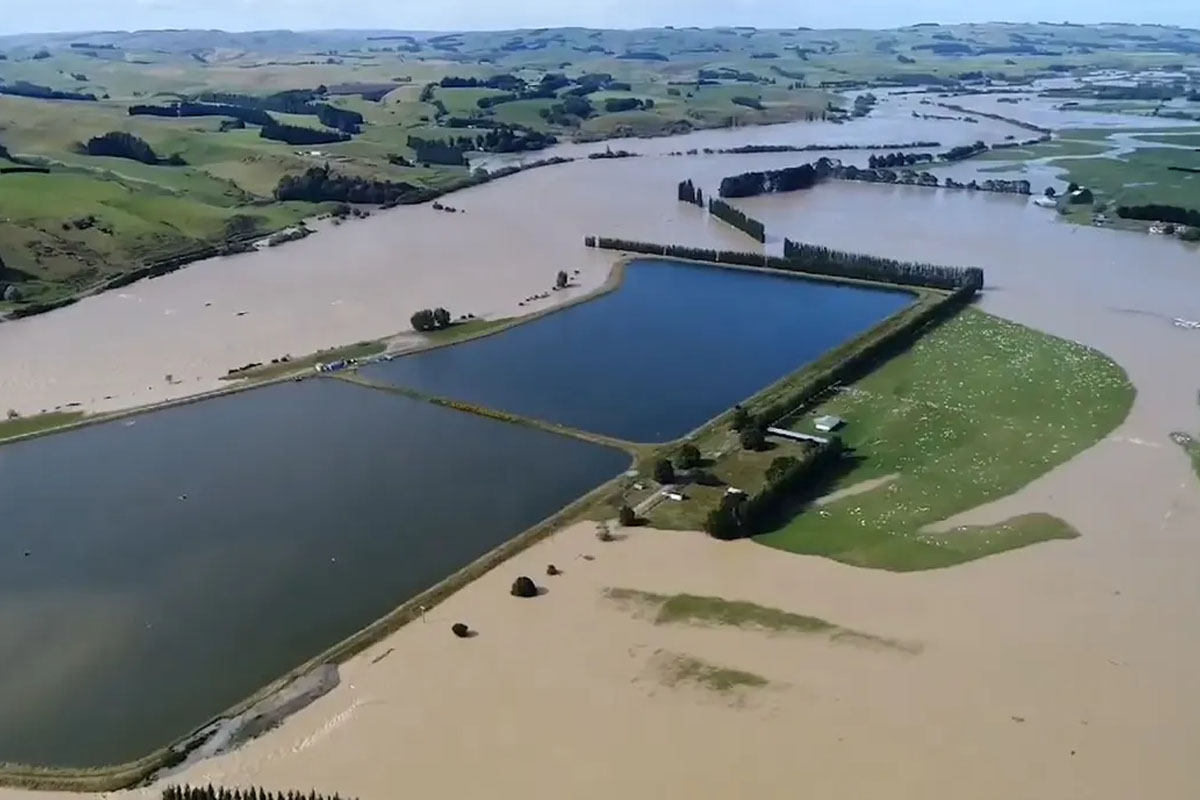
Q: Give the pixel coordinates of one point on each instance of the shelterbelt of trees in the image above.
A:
(494, 138)
(748, 225)
(220, 793)
(806, 176)
(340, 123)
(26, 89)
(119, 144)
(802, 257)
(740, 515)
(1156, 212)
(321, 184)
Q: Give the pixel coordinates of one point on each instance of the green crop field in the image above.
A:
(1190, 445)
(975, 410)
(1182, 139)
(1140, 177)
(1057, 148)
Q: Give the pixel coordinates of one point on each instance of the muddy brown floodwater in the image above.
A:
(1063, 670)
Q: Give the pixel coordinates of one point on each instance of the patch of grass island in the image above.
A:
(15, 426)
(698, 610)
(680, 668)
(976, 409)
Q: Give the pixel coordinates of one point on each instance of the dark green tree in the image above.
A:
(441, 318)
(725, 521)
(664, 473)
(120, 144)
(753, 438)
(689, 457)
(741, 418)
(423, 320)
(779, 468)
(562, 279)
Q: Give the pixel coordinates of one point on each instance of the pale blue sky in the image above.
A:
(18, 16)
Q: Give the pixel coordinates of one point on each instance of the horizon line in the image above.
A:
(419, 31)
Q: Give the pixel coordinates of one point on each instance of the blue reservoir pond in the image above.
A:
(158, 569)
(673, 347)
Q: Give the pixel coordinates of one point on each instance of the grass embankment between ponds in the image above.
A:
(496, 414)
(23, 427)
(19, 428)
(975, 410)
(292, 366)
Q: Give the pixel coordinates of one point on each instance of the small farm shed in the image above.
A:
(828, 423)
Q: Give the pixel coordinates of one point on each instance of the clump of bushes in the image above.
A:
(742, 515)
(750, 184)
(210, 792)
(120, 144)
(524, 587)
(430, 319)
(320, 184)
(690, 193)
(688, 457)
(461, 630)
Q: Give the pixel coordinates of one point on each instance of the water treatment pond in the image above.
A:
(673, 347)
(155, 570)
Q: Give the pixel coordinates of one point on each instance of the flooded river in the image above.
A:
(1090, 644)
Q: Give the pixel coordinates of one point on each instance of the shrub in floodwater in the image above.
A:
(460, 630)
(524, 587)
